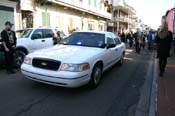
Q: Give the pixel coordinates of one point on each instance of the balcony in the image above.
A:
(83, 6)
(124, 20)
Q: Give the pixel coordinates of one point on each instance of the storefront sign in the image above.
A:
(110, 24)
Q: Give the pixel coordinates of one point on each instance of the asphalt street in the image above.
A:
(117, 94)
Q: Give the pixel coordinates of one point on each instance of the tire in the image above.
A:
(19, 58)
(96, 76)
(121, 61)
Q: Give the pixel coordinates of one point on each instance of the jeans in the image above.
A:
(137, 47)
(9, 59)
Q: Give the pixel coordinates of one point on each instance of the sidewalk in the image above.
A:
(166, 91)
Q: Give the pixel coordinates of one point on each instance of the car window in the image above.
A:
(85, 39)
(48, 33)
(117, 41)
(25, 33)
(116, 38)
(37, 34)
(110, 39)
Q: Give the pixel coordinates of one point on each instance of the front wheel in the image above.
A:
(121, 61)
(96, 76)
(19, 58)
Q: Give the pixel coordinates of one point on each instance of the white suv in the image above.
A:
(32, 39)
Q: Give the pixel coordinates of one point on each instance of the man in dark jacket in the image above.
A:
(9, 43)
(163, 39)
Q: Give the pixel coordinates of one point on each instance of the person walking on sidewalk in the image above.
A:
(163, 40)
(9, 43)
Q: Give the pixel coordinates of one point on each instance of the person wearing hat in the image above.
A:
(9, 43)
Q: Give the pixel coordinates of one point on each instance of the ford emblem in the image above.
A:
(44, 64)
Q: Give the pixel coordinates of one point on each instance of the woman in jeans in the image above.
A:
(163, 40)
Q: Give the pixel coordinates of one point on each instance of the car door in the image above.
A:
(112, 50)
(38, 42)
(119, 45)
(48, 35)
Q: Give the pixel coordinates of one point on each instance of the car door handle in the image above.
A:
(42, 40)
(116, 49)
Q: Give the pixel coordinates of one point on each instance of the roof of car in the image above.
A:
(36, 28)
(101, 32)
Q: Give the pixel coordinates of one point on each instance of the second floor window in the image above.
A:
(89, 2)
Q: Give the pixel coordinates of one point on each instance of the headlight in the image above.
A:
(28, 60)
(74, 67)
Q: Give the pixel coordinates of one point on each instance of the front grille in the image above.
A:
(46, 63)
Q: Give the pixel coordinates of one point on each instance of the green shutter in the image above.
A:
(45, 19)
(89, 2)
(48, 20)
(95, 3)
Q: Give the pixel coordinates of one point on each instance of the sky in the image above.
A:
(151, 11)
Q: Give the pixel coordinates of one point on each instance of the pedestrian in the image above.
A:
(137, 37)
(150, 39)
(123, 37)
(163, 41)
(143, 40)
(130, 38)
(9, 43)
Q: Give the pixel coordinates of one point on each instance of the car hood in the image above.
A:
(68, 53)
(21, 40)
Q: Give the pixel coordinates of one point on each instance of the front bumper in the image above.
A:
(58, 78)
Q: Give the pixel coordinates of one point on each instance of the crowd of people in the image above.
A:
(162, 41)
(139, 39)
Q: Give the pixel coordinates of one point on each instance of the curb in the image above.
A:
(143, 105)
(153, 99)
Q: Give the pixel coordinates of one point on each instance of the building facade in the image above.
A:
(123, 17)
(65, 15)
(8, 10)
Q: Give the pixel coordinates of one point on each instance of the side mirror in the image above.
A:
(110, 46)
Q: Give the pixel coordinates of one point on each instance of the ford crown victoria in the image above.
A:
(79, 59)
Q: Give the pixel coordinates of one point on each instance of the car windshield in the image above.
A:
(23, 33)
(88, 39)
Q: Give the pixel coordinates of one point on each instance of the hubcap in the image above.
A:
(19, 59)
(97, 75)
